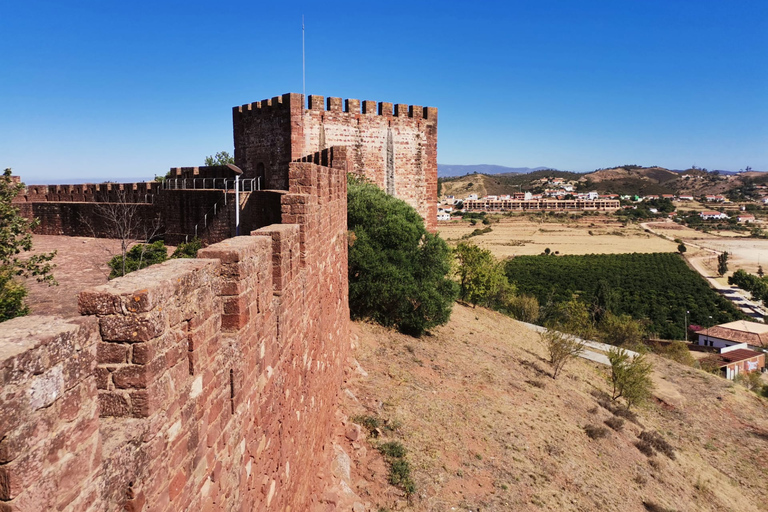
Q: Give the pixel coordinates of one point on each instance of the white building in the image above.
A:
(443, 216)
(709, 215)
(734, 333)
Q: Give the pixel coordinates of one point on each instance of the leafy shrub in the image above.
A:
(369, 423)
(188, 249)
(400, 476)
(645, 448)
(397, 270)
(561, 348)
(12, 294)
(138, 257)
(595, 432)
(481, 277)
(630, 377)
(621, 330)
(677, 351)
(399, 468)
(615, 423)
(658, 443)
(16, 238)
(392, 449)
(523, 307)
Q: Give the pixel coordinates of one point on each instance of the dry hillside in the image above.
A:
(487, 428)
(619, 180)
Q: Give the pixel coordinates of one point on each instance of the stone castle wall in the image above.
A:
(204, 384)
(395, 146)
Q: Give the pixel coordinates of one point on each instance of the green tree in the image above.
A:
(398, 272)
(220, 158)
(523, 307)
(481, 276)
(722, 263)
(681, 248)
(621, 330)
(561, 348)
(15, 239)
(605, 299)
(630, 377)
(572, 317)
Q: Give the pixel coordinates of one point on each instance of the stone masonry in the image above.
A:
(194, 385)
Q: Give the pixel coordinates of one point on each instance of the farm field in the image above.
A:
(526, 236)
(744, 253)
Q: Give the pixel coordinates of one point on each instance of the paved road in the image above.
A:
(586, 354)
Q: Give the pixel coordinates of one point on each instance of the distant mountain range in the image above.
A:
(449, 171)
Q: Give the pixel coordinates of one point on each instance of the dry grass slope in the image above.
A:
(486, 427)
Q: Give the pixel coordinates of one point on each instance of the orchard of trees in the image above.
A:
(657, 288)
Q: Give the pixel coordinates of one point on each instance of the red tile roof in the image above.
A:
(724, 333)
(740, 354)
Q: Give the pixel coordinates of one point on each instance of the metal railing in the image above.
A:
(226, 184)
(223, 184)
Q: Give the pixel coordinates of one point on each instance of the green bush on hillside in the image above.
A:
(398, 272)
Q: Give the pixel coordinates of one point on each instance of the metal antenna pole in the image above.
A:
(303, 63)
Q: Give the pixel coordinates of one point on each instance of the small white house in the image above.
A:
(746, 218)
(592, 196)
(471, 197)
(443, 216)
(711, 214)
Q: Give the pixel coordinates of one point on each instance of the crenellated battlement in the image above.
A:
(381, 108)
(335, 104)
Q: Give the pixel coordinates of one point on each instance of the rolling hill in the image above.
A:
(629, 179)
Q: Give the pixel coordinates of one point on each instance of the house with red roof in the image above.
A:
(755, 335)
(746, 218)
(737, 359)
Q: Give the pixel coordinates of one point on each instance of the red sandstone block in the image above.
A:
(177, 485)
(102, 377)
(140, 404)
(114, 404)
(142, 353)
(111, 353)
(132, 328)
(132, 376)
(231, 323)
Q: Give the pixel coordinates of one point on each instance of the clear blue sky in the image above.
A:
(106, 90)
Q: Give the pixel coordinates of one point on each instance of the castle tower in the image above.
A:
(394, 146)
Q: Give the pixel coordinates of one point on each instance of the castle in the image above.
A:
(395, 149)
(394, 146)
(208, 383)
